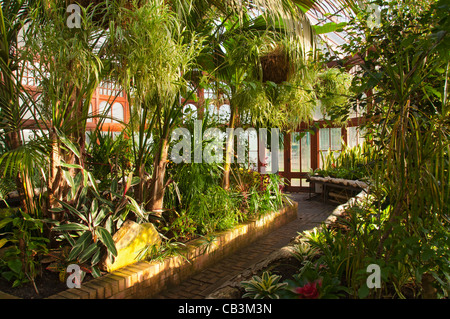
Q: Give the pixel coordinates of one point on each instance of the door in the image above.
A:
(298, 160)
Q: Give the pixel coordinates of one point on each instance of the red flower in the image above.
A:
(308, 291)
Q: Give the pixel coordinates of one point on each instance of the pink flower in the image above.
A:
(308, 291)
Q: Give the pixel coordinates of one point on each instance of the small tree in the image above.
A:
(152, 61)
(70, 63)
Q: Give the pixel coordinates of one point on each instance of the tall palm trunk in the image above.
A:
(57, 185)
(229, 149)
(157, 188)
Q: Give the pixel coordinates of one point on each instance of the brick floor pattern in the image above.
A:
(311, 213)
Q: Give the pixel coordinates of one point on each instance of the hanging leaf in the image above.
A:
(329, 27)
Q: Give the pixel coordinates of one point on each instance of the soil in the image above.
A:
(47, 285)
(285, 268)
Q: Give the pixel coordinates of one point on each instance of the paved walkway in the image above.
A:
(311, 212)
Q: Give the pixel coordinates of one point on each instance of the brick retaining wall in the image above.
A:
(147, 279)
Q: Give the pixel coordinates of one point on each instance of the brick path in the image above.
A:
(310, 214)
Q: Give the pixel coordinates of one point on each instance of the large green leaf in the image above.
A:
(80, 245)
(96, 257)
(3, 241)
(106, 238)
(15, 265)
(71, 227)
(74, 211)
(134, 206)
(5, 221)
(329, 27)
(88, 252)
(98, 218)
(76, 250)
(68, 143)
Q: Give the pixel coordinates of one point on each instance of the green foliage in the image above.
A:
(93, 217)
(216, 209)
(343, 250)
(333, 91)
(180, 226)
(25, 244)
(403, 87)
(7, 185)
(312, 282)
(266, 196)
(349, 163)
(265, 287)
(109, 157)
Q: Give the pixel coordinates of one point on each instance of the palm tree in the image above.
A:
(153, 60)
(15, 102)
(70, 65)
(239, 42)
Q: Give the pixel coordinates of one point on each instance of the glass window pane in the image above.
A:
(306, 152)
(117, 112)
(352, 137)
(335, 138)
(324, 139)
(295, 152)
(212, 111)
(281, 157)
(362, 135)
(89, 119)
(224, 113)
(295, 182)
(305, 183)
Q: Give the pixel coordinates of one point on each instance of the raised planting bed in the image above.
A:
(146, 279)
(282, 261)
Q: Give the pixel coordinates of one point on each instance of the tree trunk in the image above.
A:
(229, 151)
(56, 183)
(157, 189)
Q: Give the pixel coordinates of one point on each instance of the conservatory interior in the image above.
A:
(341, 111)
